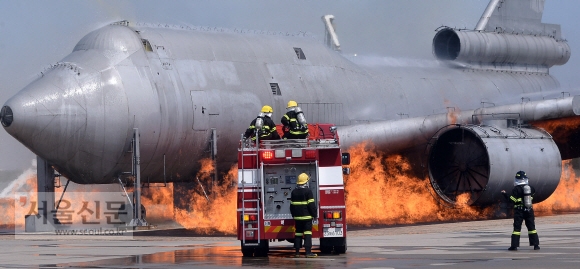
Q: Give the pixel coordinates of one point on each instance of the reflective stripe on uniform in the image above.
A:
(300, 203)
(308, 232)
(532, 232)
(303, 218)
(310, 200)
(299, 132)
(516, 200)
(516, 233)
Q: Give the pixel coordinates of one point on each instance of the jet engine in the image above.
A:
(480, 161)
(500, 50)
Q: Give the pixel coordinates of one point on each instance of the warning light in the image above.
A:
(310, 154)
(267, 155)
(332, 215)
(250, 217)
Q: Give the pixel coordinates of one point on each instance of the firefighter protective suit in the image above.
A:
(295, 126)
(303, 210)
(264, 125)
(521, 197)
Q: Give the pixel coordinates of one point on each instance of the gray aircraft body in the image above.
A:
(175, 84)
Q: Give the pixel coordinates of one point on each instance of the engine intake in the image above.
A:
(499, 49)
(482, 160)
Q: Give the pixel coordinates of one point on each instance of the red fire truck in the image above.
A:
(267, 175)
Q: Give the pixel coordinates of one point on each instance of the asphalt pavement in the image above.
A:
(474, 244)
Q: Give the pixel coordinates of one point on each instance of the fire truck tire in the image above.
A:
(247, 252)
(340, 249)
(325, 249)
(263, 249)
(259, 251)
(338, 244)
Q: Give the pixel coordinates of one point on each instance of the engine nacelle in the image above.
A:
(482, 160)
(499, 49)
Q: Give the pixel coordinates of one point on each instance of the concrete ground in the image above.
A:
(476, 244)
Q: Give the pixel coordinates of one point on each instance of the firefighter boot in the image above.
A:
(515, 242)
(297, 245)
(534, 240)
(308, 246)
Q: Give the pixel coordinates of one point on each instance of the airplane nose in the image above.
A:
(77, 121)
(47, 116)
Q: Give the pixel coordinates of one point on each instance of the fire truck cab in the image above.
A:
(267, 174)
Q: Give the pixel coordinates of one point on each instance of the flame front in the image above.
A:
(216, 213)
(381, 190)
(565, 197)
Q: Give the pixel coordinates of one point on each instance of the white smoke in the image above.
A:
(19, 183)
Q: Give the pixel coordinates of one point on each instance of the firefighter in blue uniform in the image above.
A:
(521, 197)
(303, 210)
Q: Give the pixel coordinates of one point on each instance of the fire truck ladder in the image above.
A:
(244, 200)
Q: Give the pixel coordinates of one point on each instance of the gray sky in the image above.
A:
(35, 33)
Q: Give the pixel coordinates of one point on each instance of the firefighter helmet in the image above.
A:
(292, 103)
(267, 109)
(521, 178)
(302, 179)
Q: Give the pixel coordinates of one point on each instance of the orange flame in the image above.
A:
(565, 198)
(559, 128)
(7, 204)
(217, 212)
(382, 190)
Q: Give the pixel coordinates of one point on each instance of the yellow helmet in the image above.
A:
(267, 109)
(302, 179)
(292, 104)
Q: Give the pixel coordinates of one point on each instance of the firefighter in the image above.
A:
(522, 195)
(295, 126)
(303, 211)
(264, 125)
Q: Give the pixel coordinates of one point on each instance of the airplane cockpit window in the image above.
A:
(300, 53)
(6, 116)
(275, 89)
(146, 45)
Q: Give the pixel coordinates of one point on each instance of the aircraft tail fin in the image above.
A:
(517, 17)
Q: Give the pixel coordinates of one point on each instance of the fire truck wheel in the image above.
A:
(326, 245)
(340, 249)
(259, 251)
(263, 249)
(325, 249)
(336, 243)
(247, 252)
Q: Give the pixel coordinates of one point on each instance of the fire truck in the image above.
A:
(267, 174)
